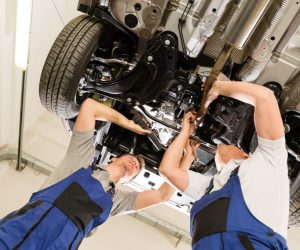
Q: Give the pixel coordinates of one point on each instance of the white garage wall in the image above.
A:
(48, 18)
(10, 84)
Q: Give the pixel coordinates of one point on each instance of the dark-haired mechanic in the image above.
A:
(245, 205)
(77, 198)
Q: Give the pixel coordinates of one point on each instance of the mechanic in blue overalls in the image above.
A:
(75, 199)
(246, 204)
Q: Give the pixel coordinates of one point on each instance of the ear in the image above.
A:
(113, 159)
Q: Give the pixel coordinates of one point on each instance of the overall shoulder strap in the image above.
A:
(235, 171)
(93, 168)
(210, 186)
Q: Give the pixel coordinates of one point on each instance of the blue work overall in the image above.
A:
(58, 217)
(222, 220)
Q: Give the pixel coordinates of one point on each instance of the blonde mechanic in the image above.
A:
(77, 198)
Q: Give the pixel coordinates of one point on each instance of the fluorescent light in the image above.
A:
(22, 33)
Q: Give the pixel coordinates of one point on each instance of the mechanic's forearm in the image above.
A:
(105, 113)
(119, 119)
(166, 191)
(246, 92)
(186, 162)
(152, 197)
(267, 117)
(173, 154)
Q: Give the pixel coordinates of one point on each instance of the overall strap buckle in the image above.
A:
(94, 166)
(211, 184)
(111, 190)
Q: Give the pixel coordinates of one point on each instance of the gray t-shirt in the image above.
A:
(81, 153)
(264, 182)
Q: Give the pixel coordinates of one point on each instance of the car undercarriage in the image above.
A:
(153, 61)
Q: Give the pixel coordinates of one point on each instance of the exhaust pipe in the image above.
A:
(246, 18)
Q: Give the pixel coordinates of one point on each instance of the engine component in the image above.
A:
(275, 87)
(87, 6)
(229, 122)
(292, 120)
(199, 23)
(206, 26)
(153, 74)
(141, 17)
(203, 160)
(181, 23)
(111, 60)
(162, 130)
(291, 92)
(139, 119)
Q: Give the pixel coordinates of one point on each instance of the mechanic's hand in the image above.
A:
(188, 122)
(213, 93)
(138, 129)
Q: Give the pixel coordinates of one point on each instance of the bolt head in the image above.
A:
(167, 42)
(150, 58)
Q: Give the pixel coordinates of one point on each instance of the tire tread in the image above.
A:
(71, 48)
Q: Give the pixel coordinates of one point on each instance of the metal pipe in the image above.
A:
(289, 98)
(133, 145)
(112, 60)
(211, 79)
(244, 22)
(206, 146)
(21, 121)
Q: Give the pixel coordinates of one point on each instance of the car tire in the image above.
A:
(294, 211)
(294, 217)
(291, 121)
(66, 62)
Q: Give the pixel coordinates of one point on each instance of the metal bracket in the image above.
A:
(27, 160)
